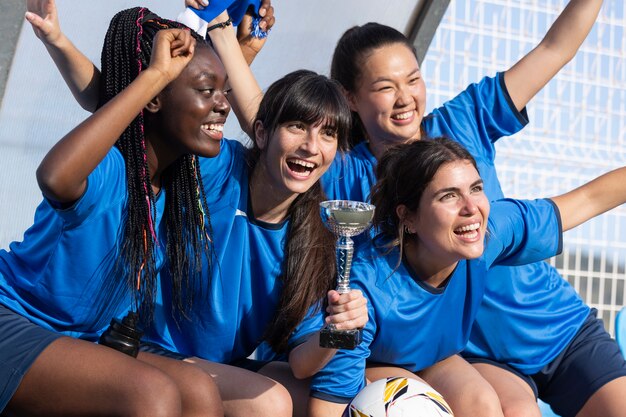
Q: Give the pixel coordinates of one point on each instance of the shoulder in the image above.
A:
(523, 231)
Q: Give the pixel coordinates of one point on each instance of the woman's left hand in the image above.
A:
(251, 45)
(347, 311)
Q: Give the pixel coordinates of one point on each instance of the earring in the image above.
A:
(407, 230)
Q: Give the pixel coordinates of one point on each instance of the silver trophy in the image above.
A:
(344, 218)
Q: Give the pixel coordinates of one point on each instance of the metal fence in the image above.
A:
(577, 124)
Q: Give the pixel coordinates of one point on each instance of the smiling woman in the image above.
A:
(195, 105)
(271, 247)
(115, 189)
(425, 273)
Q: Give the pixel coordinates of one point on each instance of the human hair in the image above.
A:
(307, 273)
(126, 52)
(403, 173)
(351, 52)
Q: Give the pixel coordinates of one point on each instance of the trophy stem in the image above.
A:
(344, 218)
(344, 250)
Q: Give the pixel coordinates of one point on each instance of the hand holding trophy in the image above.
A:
(344, 218)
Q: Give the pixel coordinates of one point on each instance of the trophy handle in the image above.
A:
(344, 250)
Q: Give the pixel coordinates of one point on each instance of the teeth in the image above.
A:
(305, 164)
(468, 228)
(403, 116)
(213, 126)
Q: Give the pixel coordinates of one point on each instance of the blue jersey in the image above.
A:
(57, 276)
(414, 325)
(476, 118)
(228, 323)
(520, 302)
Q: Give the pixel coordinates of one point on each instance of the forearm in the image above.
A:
(79, 73)
(592, 199)
(246, 94)
(64, 170)
(560, 44)
(571, 28)
(248, 53)
(308, 358)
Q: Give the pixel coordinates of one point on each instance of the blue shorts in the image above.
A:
(591, 360)
(21, 342)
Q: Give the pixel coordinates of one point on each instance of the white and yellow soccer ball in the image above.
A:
(398, 397)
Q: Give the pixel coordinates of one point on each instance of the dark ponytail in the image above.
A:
(349, 57)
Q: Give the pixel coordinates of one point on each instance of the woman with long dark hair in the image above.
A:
(426, 271)
(122, 196)
(508, 345)
(273, 260)
(275, 257)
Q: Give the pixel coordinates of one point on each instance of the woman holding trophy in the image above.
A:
(426, 271)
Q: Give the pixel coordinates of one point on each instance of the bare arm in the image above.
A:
(530, 74)
(62, 175)
(246, 94)
(308, 358)
(79, 73)
(345, 311)
(592, 199)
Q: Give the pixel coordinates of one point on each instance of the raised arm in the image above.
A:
(62, 175)
(246, 94)
(530, 74)
(79, 73)
(593, 198)
(250, 45)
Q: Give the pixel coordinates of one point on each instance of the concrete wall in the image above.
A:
(38, 109)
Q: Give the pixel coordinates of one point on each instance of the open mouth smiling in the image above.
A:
(213, 127)
(469, 231)
(301, 167)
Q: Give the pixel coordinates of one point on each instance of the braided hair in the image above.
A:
(126, 52)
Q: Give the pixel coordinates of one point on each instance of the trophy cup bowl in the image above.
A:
(344, 218)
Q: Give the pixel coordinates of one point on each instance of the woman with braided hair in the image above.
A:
(122, 197)
(271, 248)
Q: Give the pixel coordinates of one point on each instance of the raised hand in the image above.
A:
(251, 45)
(172, 51)
(196, 4)
(42, 15)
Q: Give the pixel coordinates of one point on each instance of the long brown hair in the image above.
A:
(306, 273)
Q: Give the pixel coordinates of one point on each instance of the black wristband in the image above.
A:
(220, 25)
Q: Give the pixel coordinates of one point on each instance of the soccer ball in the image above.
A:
(398, 397)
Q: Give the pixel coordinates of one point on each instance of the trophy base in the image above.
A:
(340, 339)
